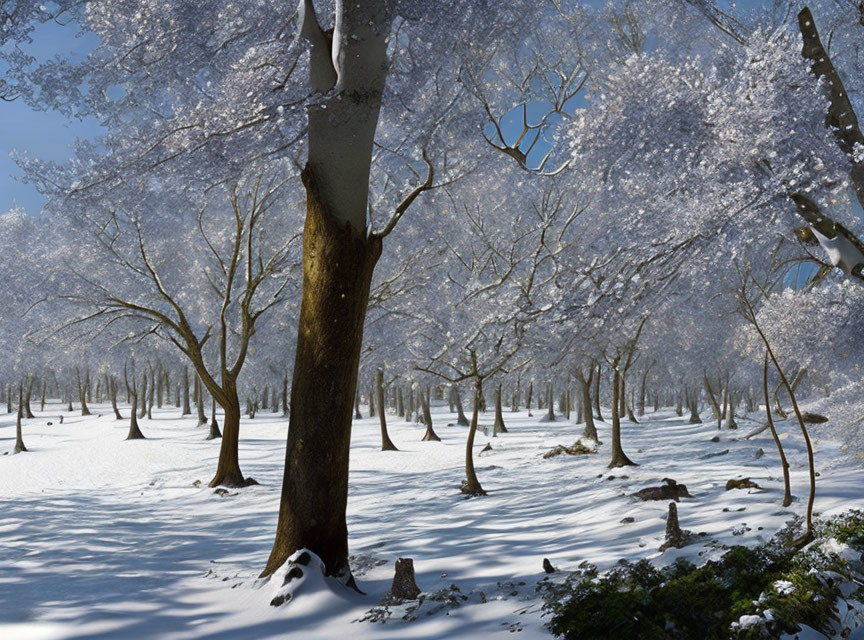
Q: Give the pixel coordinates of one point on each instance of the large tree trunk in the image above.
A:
(338, 261)
(619, 458)
(386, 442)
(339, 257)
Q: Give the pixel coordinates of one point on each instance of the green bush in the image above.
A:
(785, 587)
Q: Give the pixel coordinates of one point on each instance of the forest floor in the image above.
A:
(103, 538)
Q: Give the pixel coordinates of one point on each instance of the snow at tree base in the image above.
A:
(433, 319)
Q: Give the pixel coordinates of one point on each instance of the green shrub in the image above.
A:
(785, 587)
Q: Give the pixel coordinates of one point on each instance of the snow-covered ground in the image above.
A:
(103, 538)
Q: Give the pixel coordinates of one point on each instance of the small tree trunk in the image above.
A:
(112, 389)
(386, 442)
(596, 398)
(82, 395)
(529, 397)
(214, 426)
(187, 410)
(28, 391)
(642, 392)
(430, 434)
(400, 403)
(619, 458)
(150, 394)
(693, 405)
(134, 431)
(42, 395)
(202, 417)
(499, 426)
(472, 484)
(160, 384)
(372, 402)
(787, 491)
(590, 428)
(730, 413)
(715, 408)
(285, 395)
(19, 438)
(357, 414)
(550, 409)
(228, 468)
(461, 419)
(142, 397)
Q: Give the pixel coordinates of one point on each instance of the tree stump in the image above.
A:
(404, 586)
(674, 536)
(671, 490)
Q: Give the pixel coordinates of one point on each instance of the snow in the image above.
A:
(104, 538)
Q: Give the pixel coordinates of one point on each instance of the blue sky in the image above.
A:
(45, 135)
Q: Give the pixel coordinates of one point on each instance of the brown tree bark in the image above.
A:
(228, 472)
(386, 442)
(460, 419)
(187, 410)
(596, 398)
(134, 430)
(499, 426)
(199, 401)
(619, 458)
(19, 437)
(585, 386)
(214, 426)
(472, 484)
(338, 262)
(712, 400)
(787, 489)
(82, 394)
(112, 390)
(430, 434)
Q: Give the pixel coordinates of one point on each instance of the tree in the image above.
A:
(131, 282)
